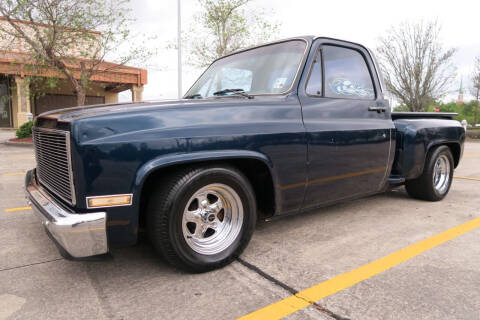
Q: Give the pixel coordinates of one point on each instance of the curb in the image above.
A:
(19, 144)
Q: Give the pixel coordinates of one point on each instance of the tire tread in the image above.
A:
(422, 187)
(158, 218)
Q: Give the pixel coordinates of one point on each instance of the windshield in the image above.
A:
(269, 69)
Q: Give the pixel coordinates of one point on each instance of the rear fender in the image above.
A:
(415, 138)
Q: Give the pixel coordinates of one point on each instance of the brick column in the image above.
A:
(22, 90)
(137, 92)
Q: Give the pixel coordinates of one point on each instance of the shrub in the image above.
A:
(25, 130)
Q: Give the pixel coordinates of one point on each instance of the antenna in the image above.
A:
(179, 44)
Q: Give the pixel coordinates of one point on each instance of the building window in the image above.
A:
(5, 108)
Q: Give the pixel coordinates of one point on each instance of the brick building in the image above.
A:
(16, 100)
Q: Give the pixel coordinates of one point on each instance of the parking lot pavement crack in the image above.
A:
(108, 312)
(30, 264)
(267, 276)
(290, 289)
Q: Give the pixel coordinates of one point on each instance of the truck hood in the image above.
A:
(70, 114)
(168, 118)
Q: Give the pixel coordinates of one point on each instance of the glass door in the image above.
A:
(5, 111)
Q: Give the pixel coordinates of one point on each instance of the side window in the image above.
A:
(346, 74)
(314, 85)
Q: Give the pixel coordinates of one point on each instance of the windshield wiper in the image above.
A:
(234, 91)
(194, 96)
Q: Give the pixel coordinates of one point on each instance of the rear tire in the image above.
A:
(201, 218)
(436, 179)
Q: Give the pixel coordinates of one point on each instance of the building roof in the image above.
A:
(15, 60)
(19, 63)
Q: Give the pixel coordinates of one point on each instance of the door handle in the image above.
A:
(378, 109)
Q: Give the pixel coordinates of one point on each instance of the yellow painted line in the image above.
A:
(278, 310)
(306, 297)
(468, 155)
(18, 209)
(14, 174)
(467, 178)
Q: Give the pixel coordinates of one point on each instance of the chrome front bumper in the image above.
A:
(80, 235)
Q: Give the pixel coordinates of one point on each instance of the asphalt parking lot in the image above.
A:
(440, 280)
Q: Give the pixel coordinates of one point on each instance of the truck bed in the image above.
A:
(424, 115)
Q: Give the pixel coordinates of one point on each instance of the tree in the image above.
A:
(416, 67)
(71, 37)
(465, 110)
(475, 90)
(225, 26)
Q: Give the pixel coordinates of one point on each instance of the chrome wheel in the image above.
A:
(441, 174)
(212, 219)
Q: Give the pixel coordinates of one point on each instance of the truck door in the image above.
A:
(347, 121)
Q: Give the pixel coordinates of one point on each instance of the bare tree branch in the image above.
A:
(416, 68)
(225, 26)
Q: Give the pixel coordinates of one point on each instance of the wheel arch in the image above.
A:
(421, 158)
(455, 149)
(255, 166)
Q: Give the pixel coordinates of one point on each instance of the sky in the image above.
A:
(359, 21)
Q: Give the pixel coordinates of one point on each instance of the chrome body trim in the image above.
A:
(73, 200)
(111, 195)
(377, 70)
(70, 170)
(80, 235)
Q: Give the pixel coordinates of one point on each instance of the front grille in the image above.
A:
(54, 169)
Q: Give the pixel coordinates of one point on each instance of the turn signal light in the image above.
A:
(109, 201)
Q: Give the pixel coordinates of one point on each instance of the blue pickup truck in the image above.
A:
(265, 132)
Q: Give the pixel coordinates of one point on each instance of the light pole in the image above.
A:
(179, 35)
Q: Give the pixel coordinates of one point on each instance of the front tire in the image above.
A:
(436, 179)
(201, 218)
